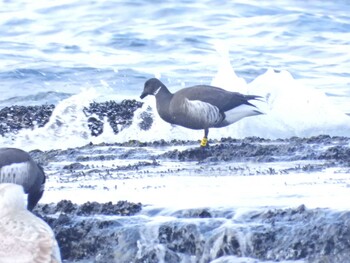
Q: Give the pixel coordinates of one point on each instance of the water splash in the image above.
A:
(295, 110)
(226, 77)
(67, 127)
(290, 108)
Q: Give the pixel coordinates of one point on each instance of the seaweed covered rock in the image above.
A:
(80, 234)
(123, 208)
(118, 115)
(15, 118)
(322, 147)
(117, 233)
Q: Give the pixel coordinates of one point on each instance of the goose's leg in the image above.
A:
(204, 141)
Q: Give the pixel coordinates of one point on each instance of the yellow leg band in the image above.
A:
(204, 142)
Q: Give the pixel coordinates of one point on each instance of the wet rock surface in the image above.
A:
(323, 147)
(84, 232)
(118, 115)
(15, 118)
(80, 234)
(122, 208)
(322, 152)
(124, 232)
(318, 235)
(97, 232)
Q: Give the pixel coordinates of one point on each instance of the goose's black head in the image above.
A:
(152, 87)
(37, 191)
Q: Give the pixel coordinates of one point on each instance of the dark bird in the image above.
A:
(16, 166)
(23, 236)
(201, 106)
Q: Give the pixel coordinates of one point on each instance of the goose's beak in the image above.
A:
(143, 95)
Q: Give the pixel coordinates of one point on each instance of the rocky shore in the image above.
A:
(15, 118)
(80, 234)
(90, 233)
(124, 232)
(97, 232)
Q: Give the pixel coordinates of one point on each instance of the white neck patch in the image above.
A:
(156, 92)
(17, 173)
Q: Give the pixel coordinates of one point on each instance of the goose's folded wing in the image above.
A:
(223, 99)
(196, 114)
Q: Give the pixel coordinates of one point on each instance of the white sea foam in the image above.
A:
(295, 110)
(226, 77)
(67, 127)
(243, 193)
(291, 109)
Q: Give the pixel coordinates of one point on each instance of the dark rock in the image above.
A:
(339, 153)
(193, 213)
(95, 125)
(180, 238)
(298, 233)
(90, 208)
(15, 118)
(147, 119)
(152, 257)
(82, 237)
(118, 115)
(74, 166)
(230, 246)
(251, 149)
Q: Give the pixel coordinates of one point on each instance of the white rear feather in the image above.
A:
(240, 112)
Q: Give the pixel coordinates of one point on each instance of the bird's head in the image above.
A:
(35, 195)
(152, 87)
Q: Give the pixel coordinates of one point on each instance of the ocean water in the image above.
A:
(293, 53)
(114, 46)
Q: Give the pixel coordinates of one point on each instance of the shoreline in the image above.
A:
(212, 203)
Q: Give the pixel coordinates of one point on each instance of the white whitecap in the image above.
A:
(66, 128)
(226, 77)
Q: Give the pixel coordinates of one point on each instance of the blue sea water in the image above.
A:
(70, 52)
(49, 48)
(295, 54)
